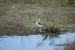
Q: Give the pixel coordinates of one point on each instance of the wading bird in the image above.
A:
(40, 26)
(38, 23)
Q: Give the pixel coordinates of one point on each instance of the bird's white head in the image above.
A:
(39, 19)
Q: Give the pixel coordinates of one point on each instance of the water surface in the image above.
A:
(36, 42)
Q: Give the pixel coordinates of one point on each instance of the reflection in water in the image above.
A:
(22, 43)
(38, 42)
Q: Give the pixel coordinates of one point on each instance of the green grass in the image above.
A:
(30, 12)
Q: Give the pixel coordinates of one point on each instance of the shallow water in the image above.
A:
(36, 42)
